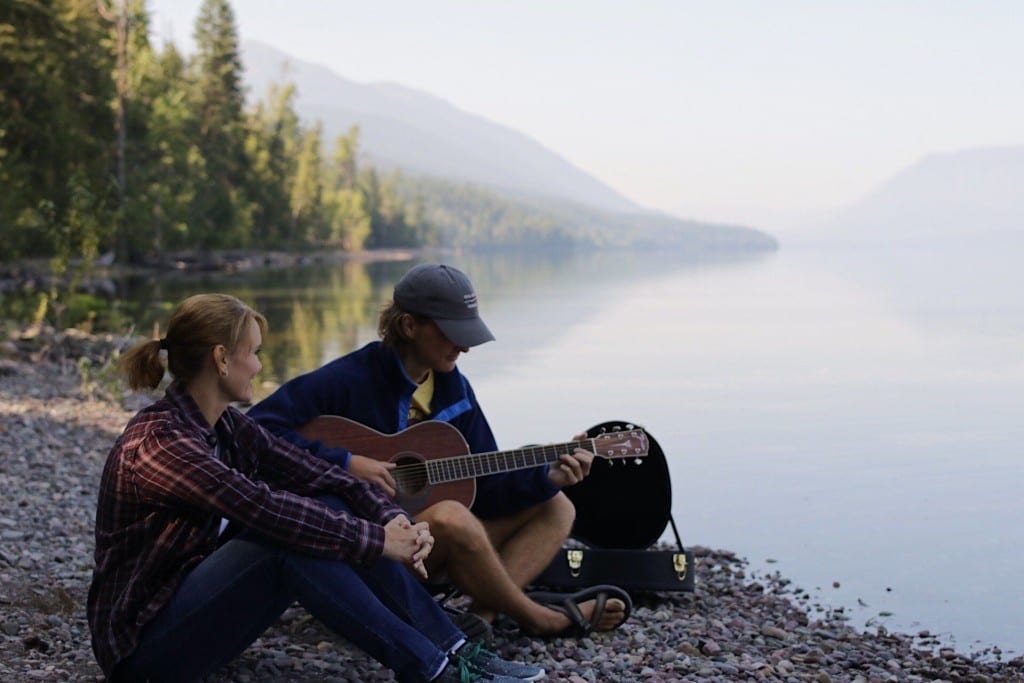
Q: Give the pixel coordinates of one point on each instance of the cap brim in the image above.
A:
(465, 333)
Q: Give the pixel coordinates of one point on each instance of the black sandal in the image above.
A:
(569, 605)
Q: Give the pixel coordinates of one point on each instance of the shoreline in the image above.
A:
(36, 275)
(60, 411)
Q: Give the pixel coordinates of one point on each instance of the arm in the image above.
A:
(286, 466)
(403, 541)
(326, 391)
(171, 469)
(299, 400)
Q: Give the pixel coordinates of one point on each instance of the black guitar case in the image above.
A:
(622, 509)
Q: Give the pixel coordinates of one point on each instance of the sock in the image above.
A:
(446, 662)
(456, 646)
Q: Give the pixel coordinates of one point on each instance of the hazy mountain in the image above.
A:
(975, 193)
(420, 133)
(470, 216)
(776, 221)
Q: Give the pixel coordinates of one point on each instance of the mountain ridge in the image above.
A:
(448, 141)
(971, 192)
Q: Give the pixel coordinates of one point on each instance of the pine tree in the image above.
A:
(56, 129)
(161, 154)
(271, 146)
(221, 208)
(307, 190)
(346, 211)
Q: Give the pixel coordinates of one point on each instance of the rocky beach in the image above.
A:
(60, 411)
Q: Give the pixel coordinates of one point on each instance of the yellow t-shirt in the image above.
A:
(419, 406)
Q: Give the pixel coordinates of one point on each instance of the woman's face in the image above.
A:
(243, 365)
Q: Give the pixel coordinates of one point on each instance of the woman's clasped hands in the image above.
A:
(408, 543)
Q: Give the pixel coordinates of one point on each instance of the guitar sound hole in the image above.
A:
(410, 474)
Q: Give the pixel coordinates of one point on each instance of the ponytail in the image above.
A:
(142, 365)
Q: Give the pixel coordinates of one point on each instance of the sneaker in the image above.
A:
(461, 671)
(484, 661)
(473, 626)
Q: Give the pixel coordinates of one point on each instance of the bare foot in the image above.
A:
(614, 613)
(556, 621)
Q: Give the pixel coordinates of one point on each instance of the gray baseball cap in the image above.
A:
(445, 295)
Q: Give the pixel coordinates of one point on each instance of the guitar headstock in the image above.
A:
(628, 443)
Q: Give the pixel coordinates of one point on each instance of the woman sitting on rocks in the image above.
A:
(208, 528)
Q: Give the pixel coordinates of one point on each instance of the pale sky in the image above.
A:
(712, 109)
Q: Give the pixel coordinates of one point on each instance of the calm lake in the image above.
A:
(851, 419)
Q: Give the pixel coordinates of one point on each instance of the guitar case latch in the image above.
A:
(679, 564)
(575, 560)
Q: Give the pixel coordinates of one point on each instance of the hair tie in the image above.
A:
(164, 344)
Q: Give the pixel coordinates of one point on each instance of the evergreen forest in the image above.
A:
(112, 146)
(117, 150)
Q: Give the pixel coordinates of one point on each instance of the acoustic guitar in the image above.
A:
(433, 462)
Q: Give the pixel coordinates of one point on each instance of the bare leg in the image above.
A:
(462, 549)
(528, 540)
(491, 562)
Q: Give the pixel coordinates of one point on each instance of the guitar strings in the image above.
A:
(414, 476)
(417, 475)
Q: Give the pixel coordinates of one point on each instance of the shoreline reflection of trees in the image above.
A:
(319, 312)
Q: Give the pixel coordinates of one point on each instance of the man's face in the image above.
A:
(433, 348)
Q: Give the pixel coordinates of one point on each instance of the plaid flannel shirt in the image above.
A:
(164, 491)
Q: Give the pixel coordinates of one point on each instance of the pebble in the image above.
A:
(55, 432)
(774, 632)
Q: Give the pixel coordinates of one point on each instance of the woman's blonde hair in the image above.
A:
(198, 324)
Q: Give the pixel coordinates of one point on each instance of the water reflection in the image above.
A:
(312, 312)
(852, 414)
(318, 312)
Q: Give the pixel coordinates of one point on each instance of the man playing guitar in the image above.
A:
(518, 519)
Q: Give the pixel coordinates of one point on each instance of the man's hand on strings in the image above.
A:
(373, 472)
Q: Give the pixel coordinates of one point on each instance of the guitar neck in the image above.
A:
(442, 470)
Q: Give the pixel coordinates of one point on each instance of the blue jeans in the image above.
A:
(242, 588)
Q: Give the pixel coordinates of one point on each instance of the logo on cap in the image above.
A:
(469, 300)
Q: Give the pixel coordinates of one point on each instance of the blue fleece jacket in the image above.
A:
(370, 386)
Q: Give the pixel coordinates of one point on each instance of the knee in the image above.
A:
(453, 522)
(561, 512)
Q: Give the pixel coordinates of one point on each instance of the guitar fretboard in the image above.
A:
(444, 470)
